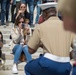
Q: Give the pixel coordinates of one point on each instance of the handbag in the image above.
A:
(22, 57)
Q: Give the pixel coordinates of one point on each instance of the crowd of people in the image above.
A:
(51, 34)
(15, 4)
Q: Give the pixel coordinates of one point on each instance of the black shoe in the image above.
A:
(2, 23)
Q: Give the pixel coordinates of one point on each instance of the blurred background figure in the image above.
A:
(31, 5)
(22, 10)
(36, 2)
(13, 6)
(1, 43)
(5, 4)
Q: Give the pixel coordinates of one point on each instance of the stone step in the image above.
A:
(5, 31)
(8, 30)
(9, 63)
(10, 56)
(7, 52)
(7, 41)
(6, 48)
(9, 72)
(6, 36)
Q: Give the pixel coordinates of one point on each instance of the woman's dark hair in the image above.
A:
(18, 19)
(1, 36)
(21, 4)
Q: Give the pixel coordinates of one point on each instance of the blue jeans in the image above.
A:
(74, 70)
(44, 66)
(5, 4)
(17, 50)
(38, 9)
(3, 10)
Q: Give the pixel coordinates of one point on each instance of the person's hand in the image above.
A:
(19, 30)
(27, 28)
(74, 63)
(20, 11)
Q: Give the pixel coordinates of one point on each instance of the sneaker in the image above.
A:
(14, 69)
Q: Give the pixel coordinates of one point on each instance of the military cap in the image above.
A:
(47, 5)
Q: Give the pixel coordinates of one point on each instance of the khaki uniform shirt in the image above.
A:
(54, 38)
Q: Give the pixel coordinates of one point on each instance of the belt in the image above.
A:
(56, 58)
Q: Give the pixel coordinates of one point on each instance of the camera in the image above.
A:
(23, 25)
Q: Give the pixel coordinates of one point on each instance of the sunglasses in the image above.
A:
(22, 7)
(21, 22)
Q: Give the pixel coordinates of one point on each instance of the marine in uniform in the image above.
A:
(55, 42)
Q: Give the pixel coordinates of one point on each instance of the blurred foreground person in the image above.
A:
(1, 43)
(68, 10)
(55, 42)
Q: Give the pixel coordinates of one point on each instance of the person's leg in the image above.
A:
(38, 11)
(74, 70)
(44, 66)
(3, 11)
(12, 12)
(17, 52)
(23, 1)
(14, 49)
(27, 54)
(7, 12)
(31, 10)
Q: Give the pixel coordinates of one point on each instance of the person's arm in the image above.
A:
(34, 42)
(1, 44)
(31, 51)
(19, 12)
(15, 36)
(1, 39)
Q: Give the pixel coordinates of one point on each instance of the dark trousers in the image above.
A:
(0, 53)
(44, 66)
(74, 70)
(7, 9)
(12, 12)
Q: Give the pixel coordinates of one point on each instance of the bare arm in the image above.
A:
(31, 51)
